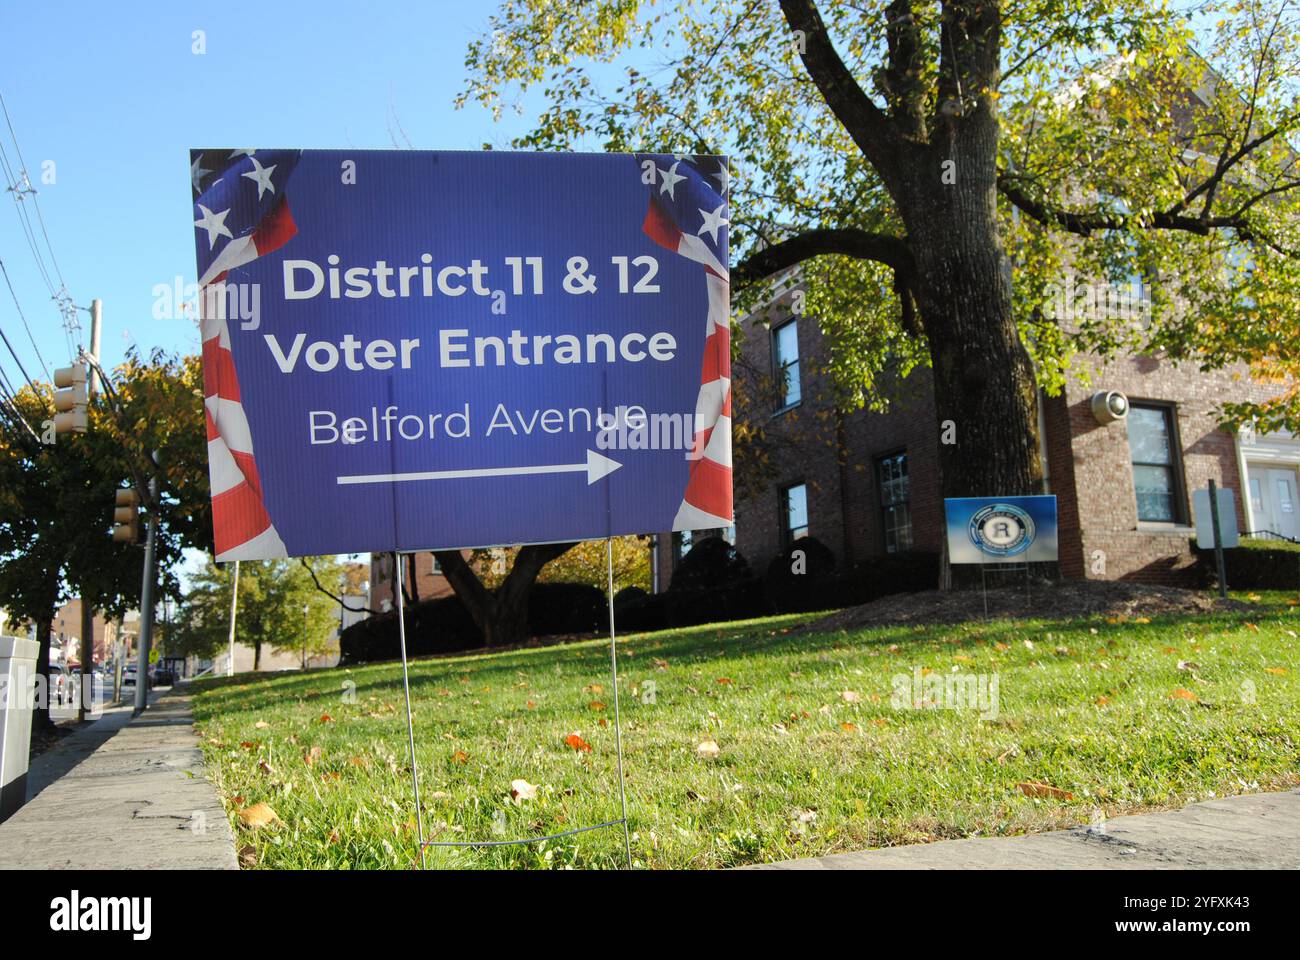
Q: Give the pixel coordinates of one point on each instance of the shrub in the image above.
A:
(739, 600)
(711, 563)
(566, 608)
(642, 613)
(445, 626)
(802, 577)
(1255, 565)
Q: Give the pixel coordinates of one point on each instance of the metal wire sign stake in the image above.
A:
(618, 733)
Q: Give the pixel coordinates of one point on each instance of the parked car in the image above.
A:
(161, 676)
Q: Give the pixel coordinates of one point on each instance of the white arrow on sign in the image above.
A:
(596, 467)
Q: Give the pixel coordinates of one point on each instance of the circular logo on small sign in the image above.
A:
(1001, 530)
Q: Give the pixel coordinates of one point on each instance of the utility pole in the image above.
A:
(86, 689)
(146, 600)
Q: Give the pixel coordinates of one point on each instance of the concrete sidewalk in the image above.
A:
(1235, 833)
(122, 794)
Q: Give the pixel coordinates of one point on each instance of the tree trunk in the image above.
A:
(412, 578)
(985, 393)
(502, 617)
(41, 719)
(983, 378)
(257, 654)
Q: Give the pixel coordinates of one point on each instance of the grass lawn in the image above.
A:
(815, 752)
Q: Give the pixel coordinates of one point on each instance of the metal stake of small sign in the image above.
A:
(1219, 508)
(406, 688)
(1218, 541)
(618, 735)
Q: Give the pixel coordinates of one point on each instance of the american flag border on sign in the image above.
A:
(241, 214)
(687, 214)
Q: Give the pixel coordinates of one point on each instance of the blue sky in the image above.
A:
(117, 99)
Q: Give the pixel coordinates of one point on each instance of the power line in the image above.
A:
(20, 186)
(35, 202)
(23, 318)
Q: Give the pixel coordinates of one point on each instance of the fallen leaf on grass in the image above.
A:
(1182, 694)
(1007, 754)
(325, 718)
(521, 790)
(593, 688)
(460, 756)
(265, 767)
(258, 815)
(1102, 701)
(1276, 671)
(848, 727)
(724, 680)
(708, 748)
(596, 705)
(1046, 790)
(261, 725)
(312, 755)
(1253, 626)
(577, 743)
(851, 696)
(1141, 619)
(247, 744)
(248, 856)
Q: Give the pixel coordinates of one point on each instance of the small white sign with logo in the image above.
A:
(1205, 520)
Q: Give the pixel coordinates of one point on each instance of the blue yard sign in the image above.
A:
(409, 350)
(1001, 529)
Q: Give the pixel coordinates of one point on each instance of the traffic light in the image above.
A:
(70, 403)
(126, 516)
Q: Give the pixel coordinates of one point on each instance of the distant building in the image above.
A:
(66, 631)
(867, 484)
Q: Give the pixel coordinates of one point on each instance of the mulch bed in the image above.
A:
(1040, 599)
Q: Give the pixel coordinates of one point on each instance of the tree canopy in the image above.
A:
(273, 595)
(1107, 141)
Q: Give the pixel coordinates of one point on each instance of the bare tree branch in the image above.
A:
(337, 599)
(861, 244)
(865, 122)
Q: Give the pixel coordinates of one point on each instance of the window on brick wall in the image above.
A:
(785, 363)
(794, 513)
(1157, 463)
(895, 502)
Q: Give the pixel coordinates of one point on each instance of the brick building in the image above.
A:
(867, 484)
